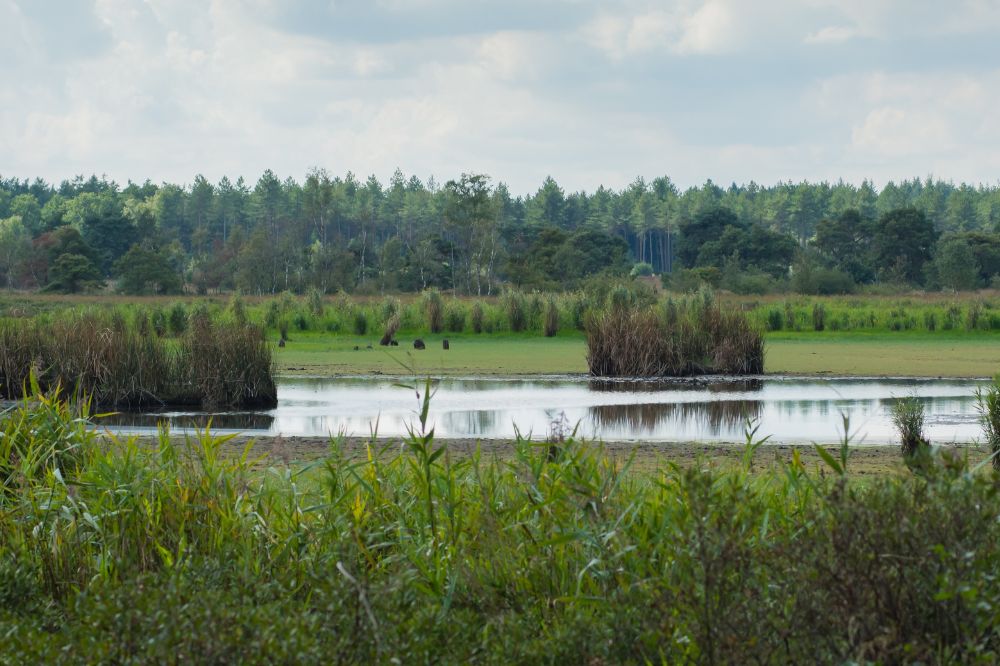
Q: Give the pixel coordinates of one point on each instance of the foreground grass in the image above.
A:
(559, 554)
(846, 353)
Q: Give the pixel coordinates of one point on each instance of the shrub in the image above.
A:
(286, 301)
(692, 279)
(748, 282)
(315, 299)
(930, 320)
(641, 269)
(823, 282)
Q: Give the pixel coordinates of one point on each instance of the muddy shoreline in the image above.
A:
(864, 460)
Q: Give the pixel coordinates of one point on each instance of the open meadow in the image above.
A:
(921, 335)
(860, 354)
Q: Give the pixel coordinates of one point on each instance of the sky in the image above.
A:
(588, 92)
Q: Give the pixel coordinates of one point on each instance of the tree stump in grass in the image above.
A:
(444, 344)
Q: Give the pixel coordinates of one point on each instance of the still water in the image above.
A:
(790, 409)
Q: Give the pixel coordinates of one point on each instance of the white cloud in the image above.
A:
(710, 29)
(694, 89)
(889, 132)
(831, 34)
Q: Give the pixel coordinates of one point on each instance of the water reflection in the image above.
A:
(476, 423)
(742, 385)
(714, 417)
(188, 420)
(788, 409)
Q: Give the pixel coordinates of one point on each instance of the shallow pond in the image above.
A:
(790, 409)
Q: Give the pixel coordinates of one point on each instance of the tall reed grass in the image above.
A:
(988, 405)
(691, 337)
(434, 309)
(908, 417)
(213, 364)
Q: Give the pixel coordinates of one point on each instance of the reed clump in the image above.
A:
(551, 318)
(908, 417)
(695, 336)
(434, 310)
(477, 317)
(391, 328)
(988, 405)
(515, 307)
(212, 364)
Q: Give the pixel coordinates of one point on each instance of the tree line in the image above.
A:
(473, 236)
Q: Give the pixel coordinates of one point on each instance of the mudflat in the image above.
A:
(647, 456)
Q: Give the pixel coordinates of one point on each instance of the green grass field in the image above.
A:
(494, 355)
(917, 354)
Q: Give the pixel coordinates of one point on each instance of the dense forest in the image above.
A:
(473, 236)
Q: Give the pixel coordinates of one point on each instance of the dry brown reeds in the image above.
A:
(212, 365)
(391, 328)
(434, 308)
(696, 337)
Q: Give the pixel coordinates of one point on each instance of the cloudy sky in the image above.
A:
(589, 92)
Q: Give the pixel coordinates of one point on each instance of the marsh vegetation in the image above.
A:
(692, 336)
(119, 362)
(126, 552)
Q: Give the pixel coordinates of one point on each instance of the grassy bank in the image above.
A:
(557, 554)
(547, 314)
(917, 335)
(886, 354)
